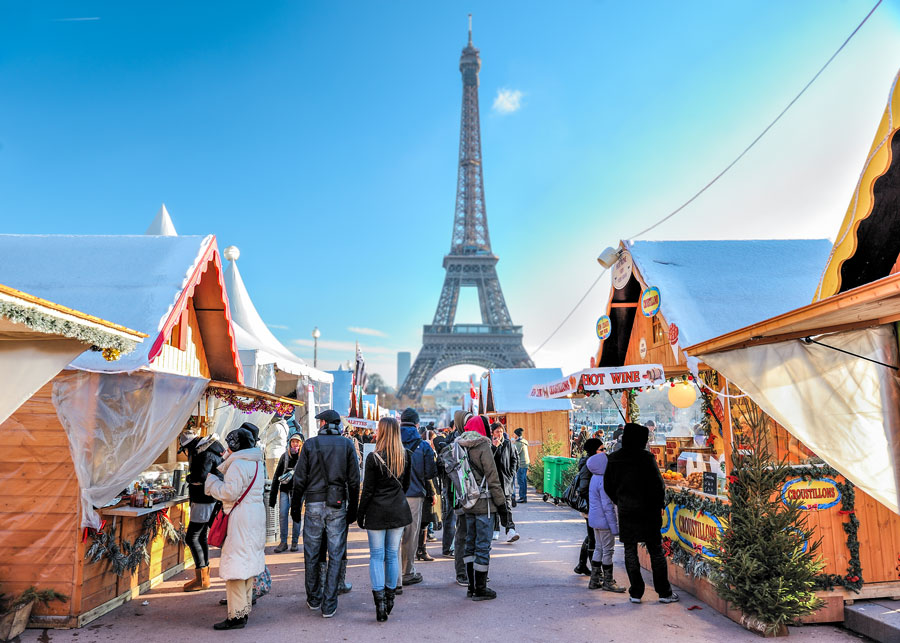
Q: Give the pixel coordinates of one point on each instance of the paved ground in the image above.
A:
(540, 599)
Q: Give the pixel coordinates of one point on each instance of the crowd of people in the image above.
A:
(464, 481)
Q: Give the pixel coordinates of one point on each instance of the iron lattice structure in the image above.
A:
(495, 342)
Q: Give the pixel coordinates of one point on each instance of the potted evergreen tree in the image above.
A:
(16, 610)
(768, 557)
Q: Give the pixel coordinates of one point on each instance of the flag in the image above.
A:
(473, 395)
(360, 374)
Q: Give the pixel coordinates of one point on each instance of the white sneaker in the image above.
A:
(496, 535)
(512, 536)
(634, 600)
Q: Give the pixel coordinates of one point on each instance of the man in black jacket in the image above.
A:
(633, 483)
(327, 477)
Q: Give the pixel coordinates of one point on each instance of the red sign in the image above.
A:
(718, 410)
(673, 334)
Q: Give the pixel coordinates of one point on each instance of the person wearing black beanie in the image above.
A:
(583, 480)
(633, 483)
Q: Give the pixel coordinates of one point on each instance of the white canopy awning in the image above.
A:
(842, 406)
(251, 332)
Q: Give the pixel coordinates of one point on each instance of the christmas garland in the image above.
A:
(853, 579)
(694, 564)
(249, 405)
(130, 556)
(111, 345)
(634, 413)
(693, 502)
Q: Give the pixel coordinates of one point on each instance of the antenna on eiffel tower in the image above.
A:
(470, 29)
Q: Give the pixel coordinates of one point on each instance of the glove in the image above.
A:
(502, 512)
(297, 515)
(361, 521)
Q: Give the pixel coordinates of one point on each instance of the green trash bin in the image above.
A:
(554, 466)
(563, 465)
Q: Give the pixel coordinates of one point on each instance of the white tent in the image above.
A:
(162, 225)
(268, 364)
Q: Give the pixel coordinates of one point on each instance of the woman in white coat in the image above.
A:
(243, 554)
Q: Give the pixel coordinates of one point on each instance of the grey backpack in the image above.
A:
(465, 488)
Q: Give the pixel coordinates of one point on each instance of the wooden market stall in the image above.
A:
(83, 437)
(506, 399)
(697, 291)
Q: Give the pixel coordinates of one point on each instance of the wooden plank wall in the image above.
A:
(191, 360)
(38, 500)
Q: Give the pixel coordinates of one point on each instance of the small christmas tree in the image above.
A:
(768, 559)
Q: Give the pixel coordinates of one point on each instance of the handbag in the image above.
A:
(574, 499)
(219, 529)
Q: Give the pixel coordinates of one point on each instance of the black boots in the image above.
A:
(231, 624)
(583, 568)
(389, 599)
(380, 606)
(482, 593)
(343, 585)
(421, 552)
(609, 583)
(596, 578)
(470, 574)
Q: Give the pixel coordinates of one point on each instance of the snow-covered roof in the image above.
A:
(340, 390)
(511, 388)
(708, 288)
(252, 333)
(135, 280)
(162, 224)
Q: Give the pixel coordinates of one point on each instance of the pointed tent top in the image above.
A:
(162, 225)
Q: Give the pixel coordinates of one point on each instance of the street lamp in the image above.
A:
(316, 335)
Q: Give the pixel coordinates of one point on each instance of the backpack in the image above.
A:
(466, 490)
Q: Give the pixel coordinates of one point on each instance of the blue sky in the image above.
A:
(321, 138)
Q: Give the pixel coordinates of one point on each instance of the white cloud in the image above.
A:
(366, 331)
(507, 101)
(349, 347)
(277, 326)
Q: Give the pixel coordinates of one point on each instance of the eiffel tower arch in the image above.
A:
(495, 342)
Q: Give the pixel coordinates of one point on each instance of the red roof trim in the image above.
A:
(210, 256)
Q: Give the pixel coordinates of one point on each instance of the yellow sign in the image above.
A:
(695, 531)
(813, 495)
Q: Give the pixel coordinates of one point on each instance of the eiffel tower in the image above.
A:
(495, 342)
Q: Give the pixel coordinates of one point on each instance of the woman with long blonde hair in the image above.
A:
(384, 512)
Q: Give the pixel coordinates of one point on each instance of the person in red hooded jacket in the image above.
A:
(479, 517)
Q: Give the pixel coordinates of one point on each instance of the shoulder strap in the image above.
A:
(247, 490)
(384, 464)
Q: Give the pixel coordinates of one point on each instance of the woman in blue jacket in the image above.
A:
(602, 519)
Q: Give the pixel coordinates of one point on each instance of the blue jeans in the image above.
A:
(384, 557)
(522, 475)
(479, 531)
(284, 514)
(330, 523)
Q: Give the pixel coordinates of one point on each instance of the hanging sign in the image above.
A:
(604, 327)
(642, 348)
(697, 531)
(361, 423)
(650, 301)
(621, 271)
(813, 495)
(559, 388)
(673, 334)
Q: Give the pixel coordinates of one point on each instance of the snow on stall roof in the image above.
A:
(512, 387)
(709, 288)
(134, 280)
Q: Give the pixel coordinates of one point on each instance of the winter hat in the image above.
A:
(635, 436)
(330, 416)
(240, 439)
(479, 424)
(591, 445)
(409, 416)
(253, 429)
(186, 440)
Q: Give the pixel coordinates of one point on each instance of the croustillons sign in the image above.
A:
(650, 301)
(813, 495)
(697, 532)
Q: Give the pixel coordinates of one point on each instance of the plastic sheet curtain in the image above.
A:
(118, 425)
(842, 407)
(27, 364)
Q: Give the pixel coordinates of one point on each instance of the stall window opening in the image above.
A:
(659, 333)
